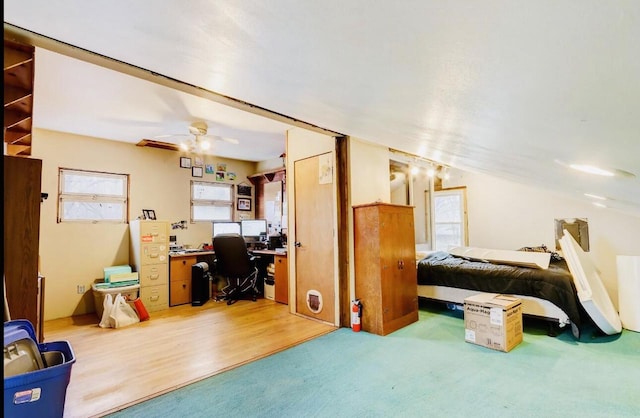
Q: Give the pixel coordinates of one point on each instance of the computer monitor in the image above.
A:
(254, 229)
(226, 228)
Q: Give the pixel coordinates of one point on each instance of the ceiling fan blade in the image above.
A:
(171, 135)
(225, 139)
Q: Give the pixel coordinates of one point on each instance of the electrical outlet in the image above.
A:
(80, 289)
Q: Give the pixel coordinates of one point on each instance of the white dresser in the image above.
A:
(150, 255)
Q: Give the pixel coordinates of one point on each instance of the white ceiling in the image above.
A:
(508, 88)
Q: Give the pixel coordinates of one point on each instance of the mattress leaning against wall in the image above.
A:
(591, 291)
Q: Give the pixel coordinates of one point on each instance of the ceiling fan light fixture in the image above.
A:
(595, 196)
(591, 169)
(204, 145)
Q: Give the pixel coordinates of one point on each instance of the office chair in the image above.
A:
(238, 266)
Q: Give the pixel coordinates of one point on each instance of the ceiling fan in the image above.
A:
(199, 141)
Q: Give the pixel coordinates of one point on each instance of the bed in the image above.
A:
(546, 293)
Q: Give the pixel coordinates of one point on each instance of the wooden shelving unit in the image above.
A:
(18, 97)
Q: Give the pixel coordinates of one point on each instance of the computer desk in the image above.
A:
(180, 273)
(281, 275)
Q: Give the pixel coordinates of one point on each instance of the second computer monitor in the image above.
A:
(254, 229)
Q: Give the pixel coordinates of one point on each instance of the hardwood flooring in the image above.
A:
(116, 368)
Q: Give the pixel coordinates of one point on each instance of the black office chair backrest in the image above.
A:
(232, 258)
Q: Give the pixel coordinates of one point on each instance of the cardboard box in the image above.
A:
(494, 321)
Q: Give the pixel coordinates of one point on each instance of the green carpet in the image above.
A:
(423, 370)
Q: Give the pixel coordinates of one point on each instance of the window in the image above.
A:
(211, 201)
(89, 196)
(449, 219)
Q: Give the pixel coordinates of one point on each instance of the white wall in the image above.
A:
(73, 254)
(507, 215)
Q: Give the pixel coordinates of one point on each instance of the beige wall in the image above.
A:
(75, 254)
(369, 172)
(368, 182)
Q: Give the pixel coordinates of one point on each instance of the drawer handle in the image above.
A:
(153, 255)
(154, 276)
(154, 298)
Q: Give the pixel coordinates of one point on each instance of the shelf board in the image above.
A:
(16, 55)
(18, 149)
(19, 65)
(13, 118)
(15, 94)
(17, 137)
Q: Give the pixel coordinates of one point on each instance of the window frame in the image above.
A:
(462, 192)
(65, 196)
(193, 202)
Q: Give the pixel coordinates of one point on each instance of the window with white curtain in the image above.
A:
(449, 219)
(91, 196)
(211, 201)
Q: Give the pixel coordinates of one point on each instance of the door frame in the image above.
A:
(341, 237)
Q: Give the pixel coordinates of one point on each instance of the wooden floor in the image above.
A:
(116, 368)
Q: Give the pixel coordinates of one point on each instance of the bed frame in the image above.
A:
(532, 307)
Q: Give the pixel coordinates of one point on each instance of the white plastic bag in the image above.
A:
(105, 322)
(122, 314)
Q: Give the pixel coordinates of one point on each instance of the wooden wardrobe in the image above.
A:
(385, 266)
(22, 199)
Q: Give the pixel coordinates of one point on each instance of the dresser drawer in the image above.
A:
(180, 267)
(155, 298)
(153, 275)
(153, 254)
(179, 292)
(153, 232)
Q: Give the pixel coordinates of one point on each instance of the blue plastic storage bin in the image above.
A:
(39, 393)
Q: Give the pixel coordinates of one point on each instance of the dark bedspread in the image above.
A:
(554, 284)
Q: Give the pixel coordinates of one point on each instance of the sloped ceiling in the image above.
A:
(517, 89)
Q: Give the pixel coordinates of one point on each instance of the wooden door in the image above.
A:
(398, 287)
(314, 246)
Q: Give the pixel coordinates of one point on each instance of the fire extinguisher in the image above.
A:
(356, 314)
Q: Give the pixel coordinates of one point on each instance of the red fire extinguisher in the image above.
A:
(356, 314)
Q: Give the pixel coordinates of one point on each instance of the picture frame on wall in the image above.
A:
(185, 162)
(197, 171)
(149, 214)
(244, 190)
(244, 204)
